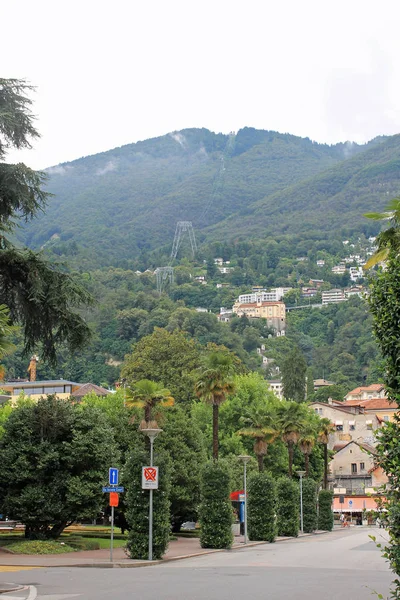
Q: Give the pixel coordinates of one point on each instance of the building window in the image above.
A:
(339, 427)
(354, 467)
(369, 424)
(362, 466)
(386, 418)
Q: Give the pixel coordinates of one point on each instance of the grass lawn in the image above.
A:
(106, 543)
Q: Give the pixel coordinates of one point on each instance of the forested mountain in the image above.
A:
(273, 205)
(108, 208)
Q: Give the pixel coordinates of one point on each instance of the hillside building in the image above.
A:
(333, 296)
(273, 312)
(275, 295)
(276, 386)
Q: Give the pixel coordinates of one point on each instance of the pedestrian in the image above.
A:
(342, 519)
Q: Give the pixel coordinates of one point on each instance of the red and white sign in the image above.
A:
(149, 478)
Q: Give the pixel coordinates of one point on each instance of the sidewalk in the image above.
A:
(178, 549)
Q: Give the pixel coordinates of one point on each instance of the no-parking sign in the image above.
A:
(149, 478)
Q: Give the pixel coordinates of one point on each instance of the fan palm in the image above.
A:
(259, 420)
(148, 394)
(306, 444)
(214, 384)
(292, 421)
(325, 429)
(388, 240)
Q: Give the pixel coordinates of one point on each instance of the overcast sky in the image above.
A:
(109, 73)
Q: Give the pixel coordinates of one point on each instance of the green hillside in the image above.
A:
(108, 208)
(334, 200)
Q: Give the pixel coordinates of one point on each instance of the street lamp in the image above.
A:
(151, 433)
(300, 474)
(245, 460)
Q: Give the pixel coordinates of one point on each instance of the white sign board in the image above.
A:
(149, 478)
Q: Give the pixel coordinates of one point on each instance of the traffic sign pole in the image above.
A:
(112, 534)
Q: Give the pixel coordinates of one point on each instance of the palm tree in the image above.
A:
(325, 429)
(260, 420)
(292, 420)
(388, 240)
(148, 394)
(214, 384)
(306, 444)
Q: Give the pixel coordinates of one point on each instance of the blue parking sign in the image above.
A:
(113, 476)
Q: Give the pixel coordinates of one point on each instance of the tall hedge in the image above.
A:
(216, 515)
(261, 507)
(309, 505)
(137, 502)
(325, 513)
(288, 507)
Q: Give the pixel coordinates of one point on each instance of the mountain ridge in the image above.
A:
(116, 204)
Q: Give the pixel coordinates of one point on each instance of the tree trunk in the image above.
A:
(290, 446)
(147, 412)
(215, 431)
(325, 466)
(260, 460)
(307, 463)
(57, 529)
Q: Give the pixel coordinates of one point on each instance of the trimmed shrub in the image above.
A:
(288, 507)
(309, 505)
(325, 513)
(137, 502)
(216, 514)
(261, 507)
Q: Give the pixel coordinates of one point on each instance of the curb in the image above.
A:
(146, 563)
(10, 587)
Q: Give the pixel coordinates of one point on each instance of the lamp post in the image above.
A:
(300, 474)
(151, 433)
(245, 460)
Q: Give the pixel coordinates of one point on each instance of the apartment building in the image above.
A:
(333, 296)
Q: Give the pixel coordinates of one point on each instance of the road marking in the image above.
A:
(12, 568)
(32, 593)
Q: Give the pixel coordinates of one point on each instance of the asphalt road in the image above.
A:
(343, 565)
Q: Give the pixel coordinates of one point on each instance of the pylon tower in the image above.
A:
(162, 274)
(181, 228)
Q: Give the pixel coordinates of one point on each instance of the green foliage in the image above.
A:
(214, 384)
(54, 457)
(309, 505)
(183, 441)
(137, 501)
(325, 513)
(40, 297)
(261, 507)
(215, 510)
(40, 547)
(288, 506)
(167, 358)
(385, 307)
(294, 369)
(388, 457)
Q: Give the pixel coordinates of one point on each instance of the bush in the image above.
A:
(309, 505)
(261, 507)
(288, 507)
(216, 514)
(137, 513)
(325, 513)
